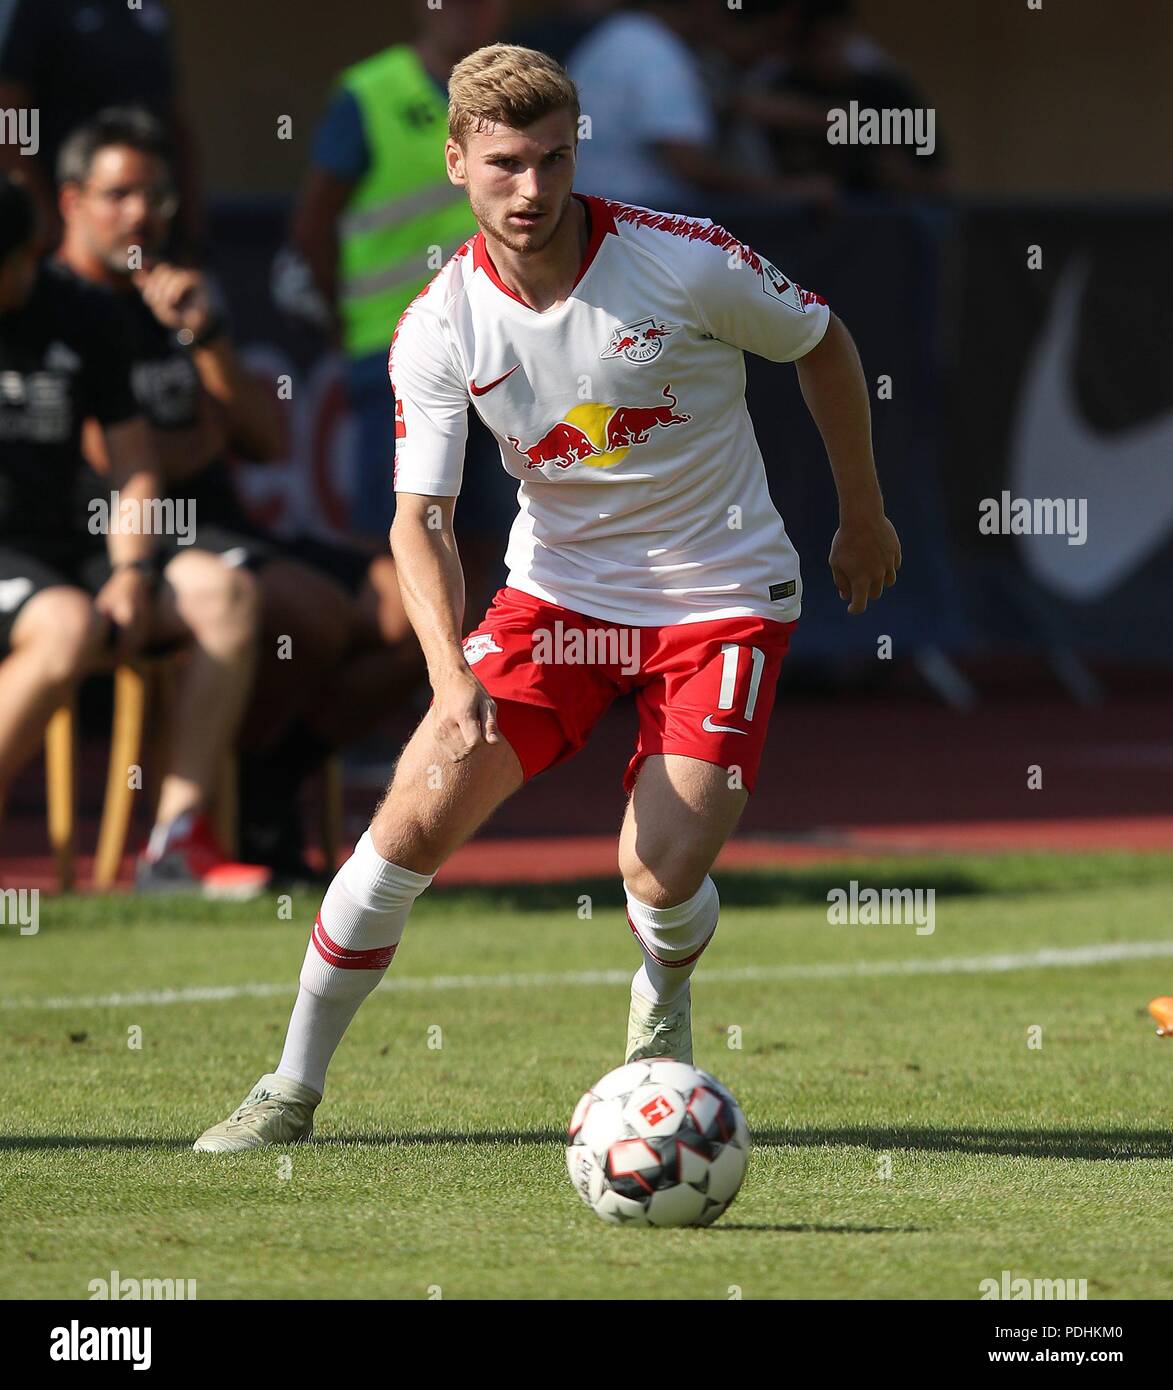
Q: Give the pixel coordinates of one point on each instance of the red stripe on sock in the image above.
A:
(375, 958)
(669, 964)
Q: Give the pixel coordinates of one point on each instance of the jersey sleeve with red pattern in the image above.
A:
(431, 405)
(743, 299)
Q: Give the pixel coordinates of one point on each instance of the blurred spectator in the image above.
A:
(68, 602)
(653, 135)
(375, 208)
(560, 28)
(69, 59)
(744, 50)
(831, 64)
(348, 652)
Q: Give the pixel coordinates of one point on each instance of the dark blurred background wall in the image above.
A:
(1058, 101)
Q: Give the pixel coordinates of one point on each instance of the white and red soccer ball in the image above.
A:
(657, 1143)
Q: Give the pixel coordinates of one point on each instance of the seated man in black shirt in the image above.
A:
(68, 601)
(333, 609)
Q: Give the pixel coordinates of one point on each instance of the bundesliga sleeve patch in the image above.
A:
(776, 286)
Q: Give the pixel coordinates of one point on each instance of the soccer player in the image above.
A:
(602, 344)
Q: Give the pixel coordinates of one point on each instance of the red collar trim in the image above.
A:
(601, 222)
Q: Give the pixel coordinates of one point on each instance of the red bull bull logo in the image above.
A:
(563, 445)
(632, 424)
(598, 434)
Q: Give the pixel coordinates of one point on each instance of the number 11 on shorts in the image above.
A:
(731, 656)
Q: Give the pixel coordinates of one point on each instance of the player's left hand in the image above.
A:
(178, 297)
(865, 556)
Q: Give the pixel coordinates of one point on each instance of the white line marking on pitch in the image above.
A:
(1047, 959)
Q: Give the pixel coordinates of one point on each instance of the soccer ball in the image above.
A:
(657, 1143)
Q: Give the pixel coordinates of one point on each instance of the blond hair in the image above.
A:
(506, 84)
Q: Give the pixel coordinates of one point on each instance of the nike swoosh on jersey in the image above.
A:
(710, 727)
(1125, 477)
(480, 390)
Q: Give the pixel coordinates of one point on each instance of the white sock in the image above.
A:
(672, 939)
(358, 929)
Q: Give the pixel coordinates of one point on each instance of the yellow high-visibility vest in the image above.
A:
(404, 219)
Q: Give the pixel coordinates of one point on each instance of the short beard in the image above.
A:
(504, 236)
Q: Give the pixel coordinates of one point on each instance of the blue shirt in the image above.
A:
(340, 143)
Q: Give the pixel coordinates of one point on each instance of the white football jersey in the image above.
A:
(621, 413)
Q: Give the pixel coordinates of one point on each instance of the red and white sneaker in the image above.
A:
(185, 855)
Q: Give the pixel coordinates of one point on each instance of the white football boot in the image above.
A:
(660, 1030)
(276, 1111)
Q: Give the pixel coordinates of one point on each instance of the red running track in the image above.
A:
(841, 778)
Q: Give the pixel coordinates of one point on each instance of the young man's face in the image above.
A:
(126, 201)
(509, 172)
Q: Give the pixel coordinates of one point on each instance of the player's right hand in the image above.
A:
(865, 556)
(464, 715)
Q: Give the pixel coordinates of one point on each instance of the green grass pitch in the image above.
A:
(909, 1141)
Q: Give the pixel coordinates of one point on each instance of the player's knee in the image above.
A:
(665, 879)
(404, 839)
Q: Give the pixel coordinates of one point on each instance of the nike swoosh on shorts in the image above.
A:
(719, 728)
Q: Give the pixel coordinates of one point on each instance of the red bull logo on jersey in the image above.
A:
(599, 434)
(639, 342)
(563, 445)
(633, 424)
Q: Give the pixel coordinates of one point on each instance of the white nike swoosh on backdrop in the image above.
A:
(1127, 477)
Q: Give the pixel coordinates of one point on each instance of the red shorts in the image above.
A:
(702, 689)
